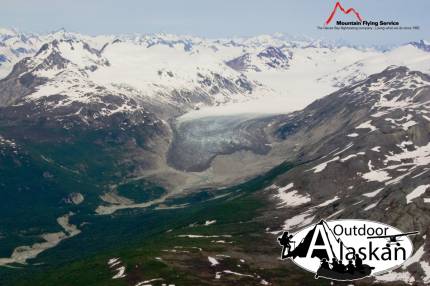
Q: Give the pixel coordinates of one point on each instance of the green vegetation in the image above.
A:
(139, 236)
(148, 241)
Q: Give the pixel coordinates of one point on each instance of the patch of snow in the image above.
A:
(298, 220)
(408, 124)
(376, 149)
(376, 175)
(352, 156)
(221, 241)
(416, 193)
(328, 202)
(344, 149)
(421, 173)
(292, 198)
(335, 213)
(149, 282)
(319, 168)
(287, 187)
(420, 156)
(373, 194)
(367, 125)
(113, 260)
(371, 206)
(213, 261)
(236, 273)
(120, 273)
(426, 268)
(403, 276)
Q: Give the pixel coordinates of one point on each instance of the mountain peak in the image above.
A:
(269, 58)
(61, 30)
(274, 57)
(76, 52)
(422, 45)
(402, 73)
(8, 32)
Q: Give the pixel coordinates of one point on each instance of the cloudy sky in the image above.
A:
(220, 18)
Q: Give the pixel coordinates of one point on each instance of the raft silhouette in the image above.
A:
(362, 272)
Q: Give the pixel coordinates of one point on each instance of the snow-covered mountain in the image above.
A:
(269, 58)
(413, 55)
(284, 74)
(423, 45)
(13, 47)
(68, 71)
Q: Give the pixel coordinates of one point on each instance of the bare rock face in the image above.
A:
(269, 58)
(18, 84)
(421, 45)
(274, 57)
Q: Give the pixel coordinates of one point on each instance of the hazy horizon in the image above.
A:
(223, 19)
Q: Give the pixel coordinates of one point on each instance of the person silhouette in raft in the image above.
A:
(335, 264)
(350, 267)
(358, 262)
(324, 264)
(341, 267)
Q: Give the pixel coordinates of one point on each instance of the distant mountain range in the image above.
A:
(101, 173)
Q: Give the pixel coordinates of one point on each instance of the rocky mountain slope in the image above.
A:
(89, 132)
(360, 152)
(365, 153)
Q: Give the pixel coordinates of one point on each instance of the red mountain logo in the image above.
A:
(338, 6)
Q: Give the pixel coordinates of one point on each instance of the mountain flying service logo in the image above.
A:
(347, 250)
(356, 21)
(337, 7)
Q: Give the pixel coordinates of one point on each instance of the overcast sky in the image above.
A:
(215, 18)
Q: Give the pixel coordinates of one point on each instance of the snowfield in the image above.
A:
(286, 74)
